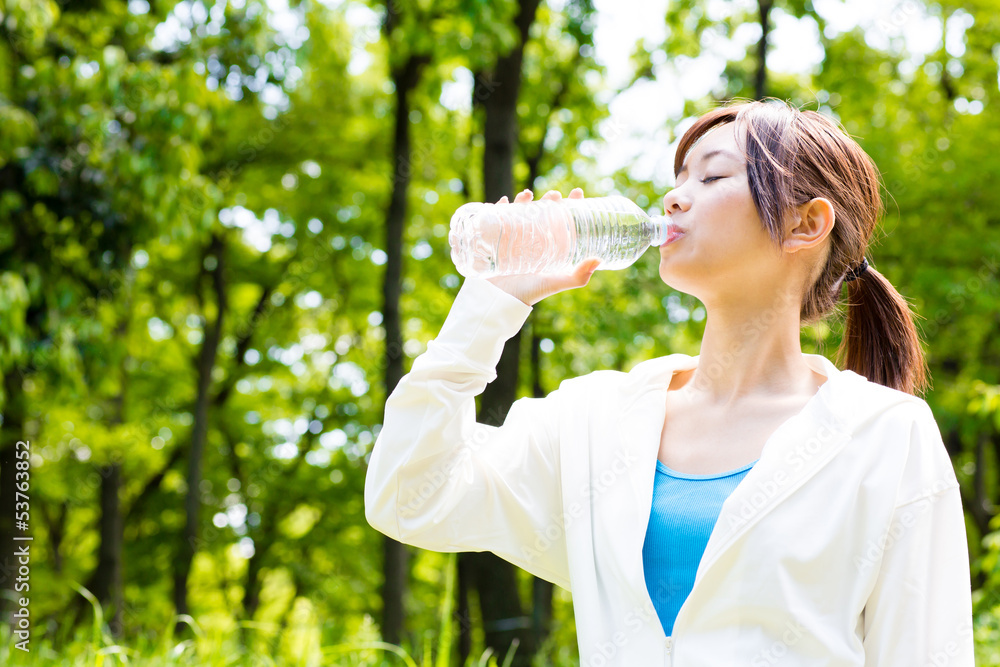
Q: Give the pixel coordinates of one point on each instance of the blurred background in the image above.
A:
(223, 239)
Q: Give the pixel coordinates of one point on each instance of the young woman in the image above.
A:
(751, 505)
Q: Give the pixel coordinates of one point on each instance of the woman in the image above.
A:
(751, 505)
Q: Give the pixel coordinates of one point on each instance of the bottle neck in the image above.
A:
(659, 223)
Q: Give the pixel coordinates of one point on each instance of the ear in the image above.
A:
(812, 223)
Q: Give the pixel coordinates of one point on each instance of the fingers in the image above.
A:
(584, 270)
(589, 265)
(527, 195)
(579, 277)
(553, 195)
(523, 196)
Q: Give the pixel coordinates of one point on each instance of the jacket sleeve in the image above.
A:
(439, 480)
(920, 609)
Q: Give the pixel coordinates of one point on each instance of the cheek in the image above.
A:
(738, 201)
(739, 216)
(737, 194)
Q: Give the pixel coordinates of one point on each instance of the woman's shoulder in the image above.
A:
(907, 430)
(897, 420)
(645, 375)
(895, 404)
(928, 469)
(664, 364)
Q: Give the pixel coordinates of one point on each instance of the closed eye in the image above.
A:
(708, 179)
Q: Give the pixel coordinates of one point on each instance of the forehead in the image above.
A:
(722, 137)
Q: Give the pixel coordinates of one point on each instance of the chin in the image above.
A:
(670, 278)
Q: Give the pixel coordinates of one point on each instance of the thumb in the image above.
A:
(586, 269)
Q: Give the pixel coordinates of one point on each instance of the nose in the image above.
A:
(676, 201)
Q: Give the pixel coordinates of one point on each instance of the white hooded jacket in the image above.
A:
(845, 544)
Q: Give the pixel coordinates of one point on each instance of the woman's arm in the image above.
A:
(439, 480)
(920, 610)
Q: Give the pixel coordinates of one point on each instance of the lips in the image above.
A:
(673, 233)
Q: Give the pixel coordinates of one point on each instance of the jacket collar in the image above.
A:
(821, 429)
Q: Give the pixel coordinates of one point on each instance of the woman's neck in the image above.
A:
(749, 353)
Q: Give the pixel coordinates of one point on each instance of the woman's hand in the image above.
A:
(533, 288)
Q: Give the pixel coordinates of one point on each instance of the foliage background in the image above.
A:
(193, 247)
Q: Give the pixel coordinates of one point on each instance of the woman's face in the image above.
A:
(724, 252)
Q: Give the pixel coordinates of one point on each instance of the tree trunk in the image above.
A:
(505, 625)
(494, 578)
(977, 501)
(405, 77)
(541, 615)
(55, 526)
(394, 554)
(764, 9)
(541, 591)
(199, 434)
(109, 583)
(463, 612)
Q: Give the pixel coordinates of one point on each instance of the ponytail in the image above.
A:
(880, 339)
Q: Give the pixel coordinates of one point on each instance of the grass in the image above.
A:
(95, 647)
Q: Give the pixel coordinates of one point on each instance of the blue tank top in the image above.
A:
(685, 509)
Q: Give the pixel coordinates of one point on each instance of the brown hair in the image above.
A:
(792, 157)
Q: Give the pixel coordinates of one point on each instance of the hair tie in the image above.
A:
(856, 272)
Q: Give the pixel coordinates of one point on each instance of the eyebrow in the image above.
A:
(712, 153)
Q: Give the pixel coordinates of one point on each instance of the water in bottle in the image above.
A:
(547, 236)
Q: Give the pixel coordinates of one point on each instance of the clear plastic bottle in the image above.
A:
(546, 236)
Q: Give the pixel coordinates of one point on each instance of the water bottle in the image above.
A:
(546, 236)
